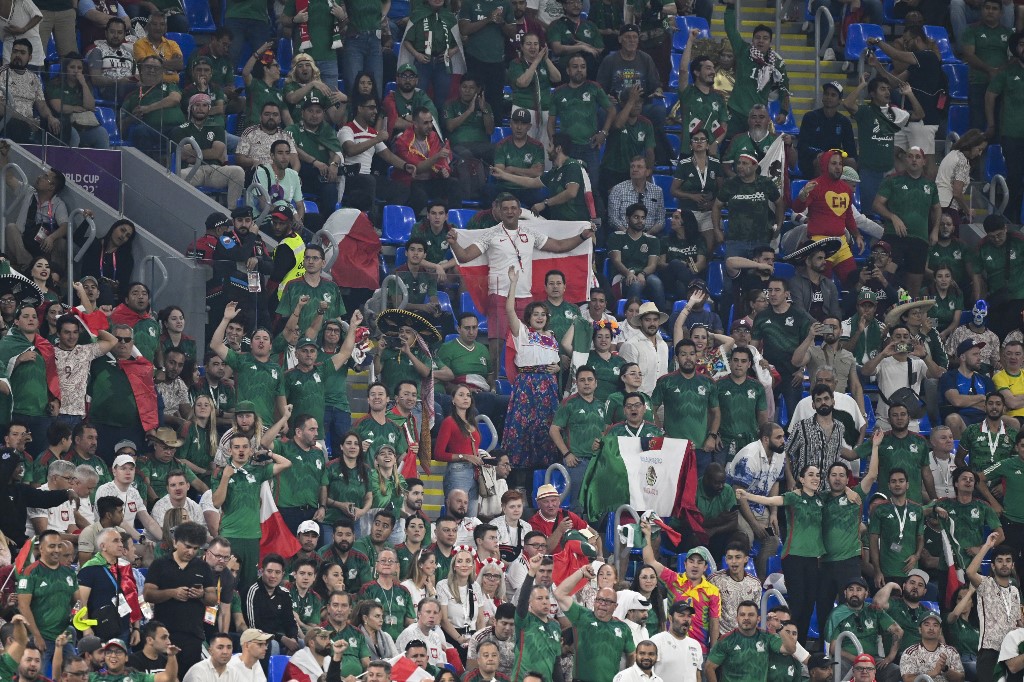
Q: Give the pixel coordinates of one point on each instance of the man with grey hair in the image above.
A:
(101, 578)
(86, 480)
(59, 476)
(848, 409)
(941, 461)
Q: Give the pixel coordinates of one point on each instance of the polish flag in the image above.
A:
(403, 669)
(275, 538)
(352, 247)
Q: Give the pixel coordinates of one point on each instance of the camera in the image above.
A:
(903, 347)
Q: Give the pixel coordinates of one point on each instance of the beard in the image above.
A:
(777, 449)
(824, 410)
(344, 546)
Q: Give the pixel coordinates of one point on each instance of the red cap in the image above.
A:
(864, 658)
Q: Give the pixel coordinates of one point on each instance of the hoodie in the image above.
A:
(829, 205)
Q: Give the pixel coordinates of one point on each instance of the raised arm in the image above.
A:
(510, 302)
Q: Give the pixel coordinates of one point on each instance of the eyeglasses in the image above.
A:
(220, 557)
(603, 600)
(864, 668)
(536, 545)
(386, 562)
(123, 339)
(491, 575)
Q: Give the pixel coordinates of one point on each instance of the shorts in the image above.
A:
(497, 320)
(844, 252)
(704, 223)
(910, 253)
(917, 134)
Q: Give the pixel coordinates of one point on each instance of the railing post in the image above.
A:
(565, 475)
(3, 195)
(764, 604)
(71, 247)
(822, 11)
(843, 636)
(618, 544)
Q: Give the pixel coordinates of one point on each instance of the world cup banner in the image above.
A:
(655, 474)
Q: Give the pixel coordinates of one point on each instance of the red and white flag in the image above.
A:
(275, 538)
(350, 234)
(403, 669)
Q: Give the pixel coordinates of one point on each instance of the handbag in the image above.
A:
(487, 480)
(85, 119)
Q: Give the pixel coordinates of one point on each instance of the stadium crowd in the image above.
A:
(824, 317)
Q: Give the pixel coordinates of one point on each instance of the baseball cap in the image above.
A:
(312, 101)
(883, 245)
(309, 527)
(89, 278)
(407, 67)
(743, 323)
(931, 614)
(121, 460)
(547, 490)
(819, 661)
(254, 635)
(241, 212)
(216, 220)
(864, 658)
(119, 643)
(122, 444)
(835, 85)
(682, 607)
(522, 116)
(89, 644)
(696, 551)
(920, 574)
(282, 212)
(245, 406)
(305, 341)
(866, 294)
(857, 581)
(968, 344)
(627, 28)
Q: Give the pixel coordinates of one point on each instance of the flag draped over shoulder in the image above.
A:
(139, 372)
(275, 538)
(12, 345)
(956, 560)
(404, 669)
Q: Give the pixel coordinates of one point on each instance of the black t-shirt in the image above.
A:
(180, 617)
(817, 307)
(748, 280)
(226, 587)
(139, 661)
(928, 81)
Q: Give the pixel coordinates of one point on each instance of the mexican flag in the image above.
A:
(404, 669)
(650, 474)
(349, 234)
(275, 538)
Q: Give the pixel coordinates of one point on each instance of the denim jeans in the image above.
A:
(363, 52)
(69, 650)
(652, 289)
(336, 424)
(329, 73)
(462, 476)
(1013, 152)
(249, 34)
(438, 76)
(93, 138)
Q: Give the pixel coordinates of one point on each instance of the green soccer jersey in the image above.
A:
(984, 448)
(945, 308)
(306, 391)
(907, 618)
(257, 381)
(840, 527)
(307, 607)
(435, 26)
(607, 376)
(387, 493)
(53, 592)
(866, 624)
(744, 144)
(909, 452)
(396, 602)
(783, 668)
(567, 32)
(989, 45)
(420, 286)
(156, 473)
(580, 421)
(369, 429)
(1011, 472)
(912, 200)
(750, 88)
(897, 528)
(404, 107)
(488, 44)
(508, 154)
(165, 118)
(557, 180)
(539, 87)
(30, 396)
(538, 646)
(633, 139)
(444, 564)
(299, 484)
(740, 404)
(744, 659)
(123, 676)
(8, 666)
(803, 534)
(472, 129)
(634, 252)
(397, 367)
(365, 15)
(240, 513)
(600, 645)
(336, 382)
(953, 255)
(780, 333)
(1008, 84)
(320, 143)
(358, 649)
(687, 402)
(676, 248)
(712, 506)
(356, 567)
(205, 137)
(996, 264)
(223, 69)
(700, 111)
(437, 244)
(697, 181)
(561, 317)
(296, 108)
(103, 474)
(645, 430)
(576, 108)
(615, 414)
(751, 208)
(876, 129)
(344, 485)
(972, 522)
(462, 360)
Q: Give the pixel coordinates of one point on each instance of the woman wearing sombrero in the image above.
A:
(403, 354)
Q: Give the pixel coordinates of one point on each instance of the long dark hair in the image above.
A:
(658, 595)
(362, 470)
(622, 371)
(468, 425)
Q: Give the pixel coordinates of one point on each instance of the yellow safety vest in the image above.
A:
(298, 247)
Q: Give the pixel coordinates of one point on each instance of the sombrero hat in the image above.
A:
(391, 320)
(906, 304)
(21, 287)
(830, 245)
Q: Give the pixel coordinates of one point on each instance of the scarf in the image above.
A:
(766, 68)
(139, 371)
(122, 314)
(305, 41)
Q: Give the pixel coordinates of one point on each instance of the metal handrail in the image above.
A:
(922, 677)
(71, 255)
(838, 643)
(821, 11)
(764, 604)
(778, 27)
(1000, 181)
(619, 545)
(739, 16)
(485, 421)
(565, 476)
(194, 144)
(163, 277)
(3, 195)
(261, 192)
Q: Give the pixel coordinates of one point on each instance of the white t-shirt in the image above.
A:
(504, 249)
(57, 518)
(465, 531)
(892, 375)
(678, 659)
(73, 370)
(435, 641)
(459, 614)
(353, 132)
(239, 673)
(133, 502)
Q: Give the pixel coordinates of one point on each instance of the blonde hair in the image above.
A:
(213, 440)
(452, 584)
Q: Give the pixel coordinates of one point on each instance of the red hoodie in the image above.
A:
(830, 205)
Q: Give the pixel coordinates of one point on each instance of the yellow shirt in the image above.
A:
(168, 49)
(1015, 384)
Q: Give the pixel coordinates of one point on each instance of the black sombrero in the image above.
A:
(22, 288)
(391, 320)
(830, 245)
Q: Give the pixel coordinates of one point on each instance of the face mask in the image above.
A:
(980, 312)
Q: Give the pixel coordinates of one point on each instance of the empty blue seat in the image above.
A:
(446, 305)
(460, 217)
(784, 270)
(186, 42)
(673, 81)
(956, 77)
(995, 164)
(500, 133)
(199, 18)
(503, 386)
(716, 278)
(675, 142)
(888, 6)
(665, 183)
(276, 668)
(231, 124)
(311, 207)
(284, 55)
(857, 41)
(941, 38)
(790, 127)
(108, 119)
(959, 119)
(557, 480)
(400, 256)
(683, 27)
(398, 223)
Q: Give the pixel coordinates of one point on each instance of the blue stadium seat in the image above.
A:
(108, 119)
(390, 87)
(675, 142)
(466, 305)
(941, 38)
(716, 278)
(446, 304)
(956, 76)
(311, 207)
(789, 127)
(276, 668)
(683, 27)
(398, 223)
(673, 80)
(857, 41)
(869, 409)
(500, 133)
(231, 124)
(460, 217)
(503, 386)
(186, 42)
(199, 18)
(556, 480)
(400, 256)
(959, 119)
(284, 55)
(995, 164)
(784, 270)
(671, 98)
(887, 12)
(796, 186)
(665, 183)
